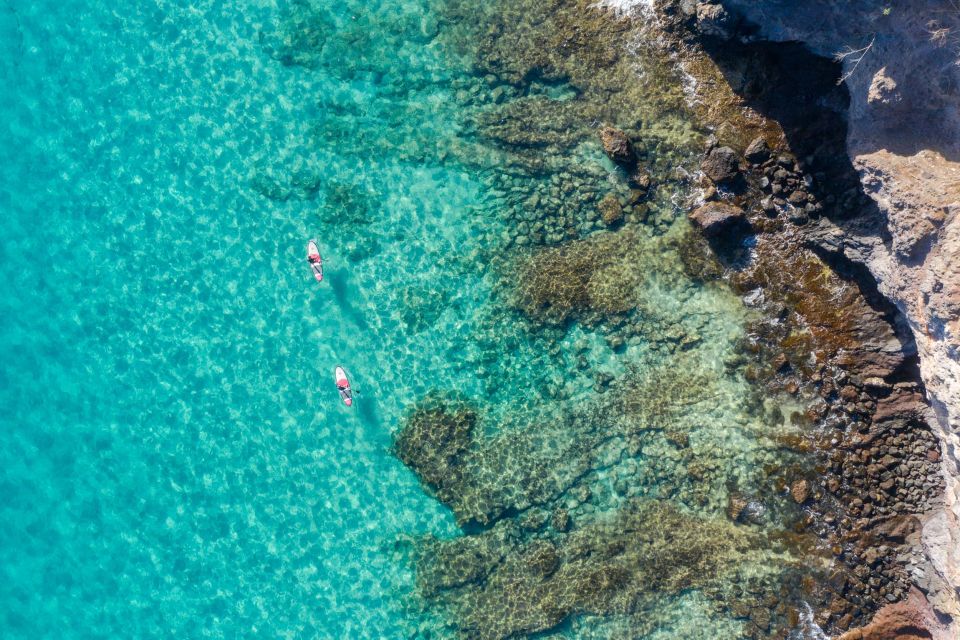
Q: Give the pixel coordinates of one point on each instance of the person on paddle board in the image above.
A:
(343, 386)
(315, 260)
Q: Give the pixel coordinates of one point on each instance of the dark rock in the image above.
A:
(798, 217)
(721, 164)
(785, 160)
(757, 151)
(715, 217)
(617, 146)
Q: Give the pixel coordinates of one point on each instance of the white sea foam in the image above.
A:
(625, 7)
(808, 629)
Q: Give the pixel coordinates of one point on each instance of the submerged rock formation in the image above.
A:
(503, 587)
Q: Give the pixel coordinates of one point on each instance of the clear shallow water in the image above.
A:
(175, 461)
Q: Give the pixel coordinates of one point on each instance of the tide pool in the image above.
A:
(175, 461)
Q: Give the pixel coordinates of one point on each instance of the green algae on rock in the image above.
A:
(499, 585)
(599, 278)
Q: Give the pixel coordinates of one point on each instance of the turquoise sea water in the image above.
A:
(175, 461)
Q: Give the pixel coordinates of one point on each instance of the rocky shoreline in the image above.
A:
(884, 473)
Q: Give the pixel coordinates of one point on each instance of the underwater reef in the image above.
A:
(500, 585)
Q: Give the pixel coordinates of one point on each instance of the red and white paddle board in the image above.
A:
(315, 260)
(343, 386)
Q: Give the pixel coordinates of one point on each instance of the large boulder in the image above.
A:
(617, 146)
(714, 218)
(757, 151)
(721, 164)
(611, 211)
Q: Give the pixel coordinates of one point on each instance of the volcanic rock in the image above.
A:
(757, 151)
(714, 218)
(721, 164)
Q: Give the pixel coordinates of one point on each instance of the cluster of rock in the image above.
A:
(539, 538)
(881, 459)
(909, 619)
(903, 140)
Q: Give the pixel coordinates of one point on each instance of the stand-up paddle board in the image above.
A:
(315, 260)
(343, 386)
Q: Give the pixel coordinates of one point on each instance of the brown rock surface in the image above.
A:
(910, 619)
(721, 164)
(715, 217)
(800, 491)
(617, 146)
(903, 139)
(611, 211)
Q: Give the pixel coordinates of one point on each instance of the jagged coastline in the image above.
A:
(899, 66)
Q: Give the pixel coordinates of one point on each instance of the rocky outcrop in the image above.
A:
(617, 146)
(903, 140)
